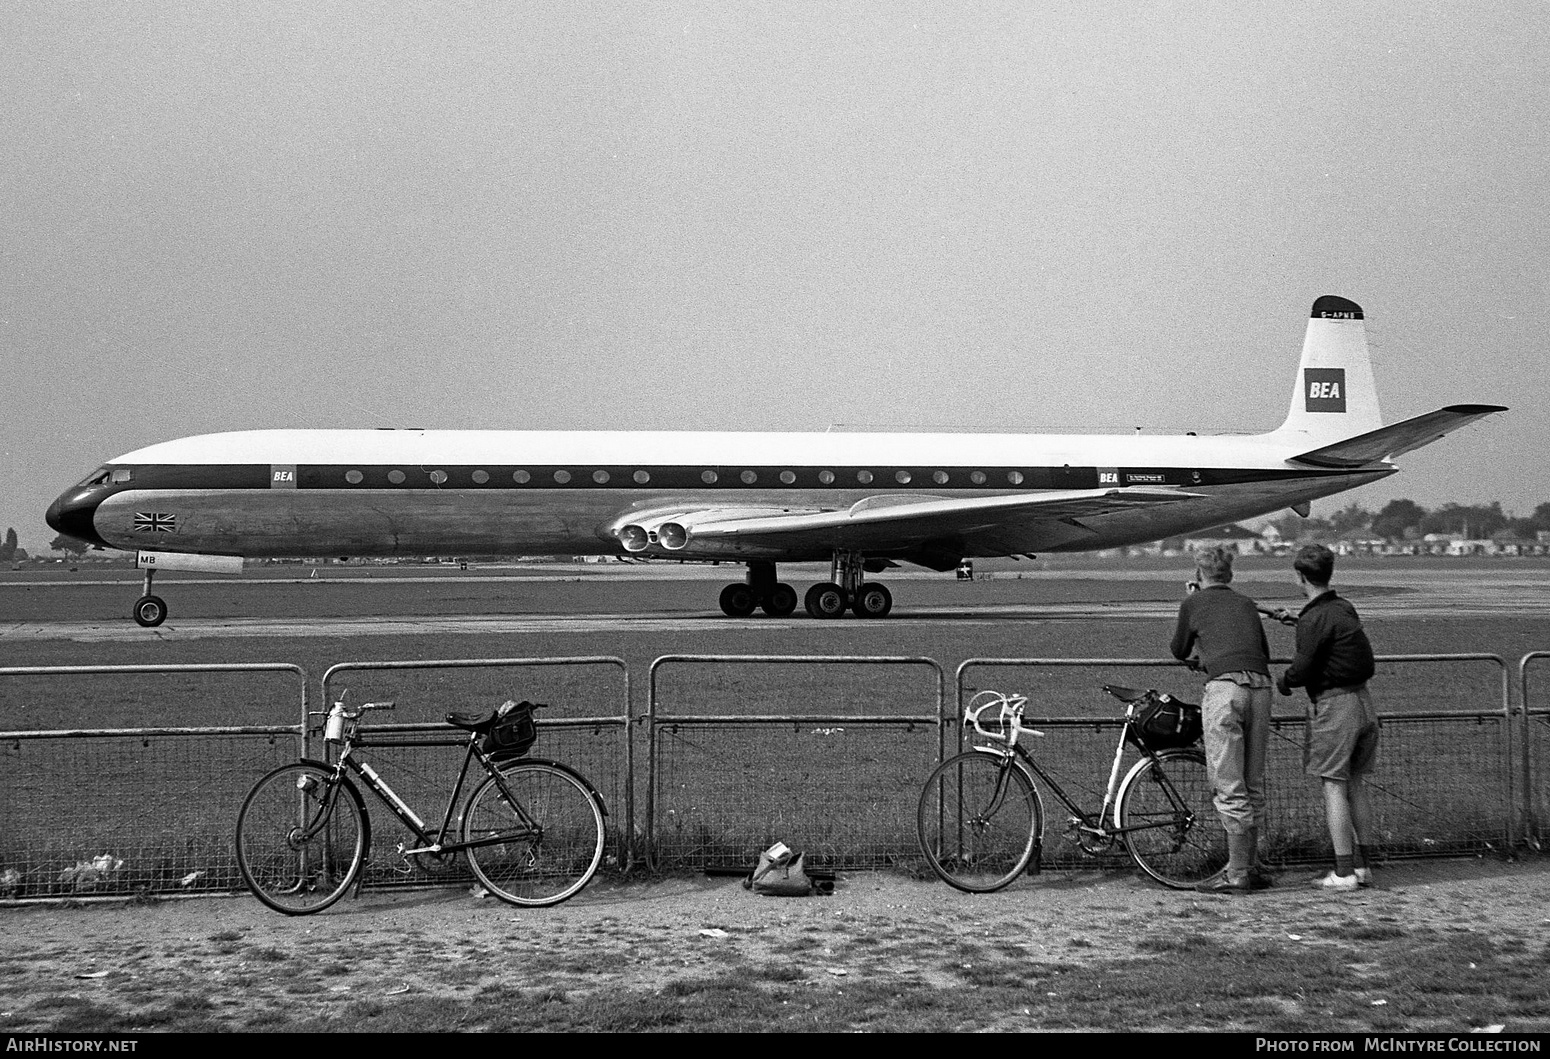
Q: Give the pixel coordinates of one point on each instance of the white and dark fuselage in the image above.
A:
(860, 501)
(431, 492)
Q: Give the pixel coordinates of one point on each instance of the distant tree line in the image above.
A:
(1406, 520)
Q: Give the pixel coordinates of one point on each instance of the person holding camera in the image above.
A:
(1219, 631)
(1334, 662)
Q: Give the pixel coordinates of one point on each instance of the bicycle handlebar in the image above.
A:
(1009, 716)
(334, 730)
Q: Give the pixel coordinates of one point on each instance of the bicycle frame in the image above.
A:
(1013, 752)
(431, 842)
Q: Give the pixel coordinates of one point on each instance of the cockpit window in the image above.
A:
(97, 477)
(122, 474)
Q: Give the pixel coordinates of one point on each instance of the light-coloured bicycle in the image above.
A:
(981, 817)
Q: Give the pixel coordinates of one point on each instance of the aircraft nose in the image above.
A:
(74, 515)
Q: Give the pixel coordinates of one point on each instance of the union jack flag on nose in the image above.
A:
(155, 522)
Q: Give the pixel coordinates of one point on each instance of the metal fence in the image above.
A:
(1444, 783)
(1534, 755)
(585, 726)
(146, 805)
(732, 752)
(744, 751)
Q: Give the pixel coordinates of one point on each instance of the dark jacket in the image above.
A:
(1332, 648)
(1225, 627)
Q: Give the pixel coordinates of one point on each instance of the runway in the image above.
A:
(921, 619)
(584, 599)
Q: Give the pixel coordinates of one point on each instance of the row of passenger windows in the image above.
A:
(601, 477)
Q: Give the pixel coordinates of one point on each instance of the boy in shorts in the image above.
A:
(1334, 662)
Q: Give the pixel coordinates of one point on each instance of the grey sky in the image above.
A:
(764, 216)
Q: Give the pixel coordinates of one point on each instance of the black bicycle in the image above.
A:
(981, 818)
(532, 830)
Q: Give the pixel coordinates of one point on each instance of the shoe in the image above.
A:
(1363, 877)
(1222, 883)
(1336, 882)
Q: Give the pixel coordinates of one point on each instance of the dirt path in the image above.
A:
(387, 961)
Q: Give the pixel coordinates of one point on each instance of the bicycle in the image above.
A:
(532, 831)
(981, 818)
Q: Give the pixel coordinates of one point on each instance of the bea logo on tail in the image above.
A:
(1324, 389)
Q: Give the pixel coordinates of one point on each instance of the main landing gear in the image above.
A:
(150, 610)
(845, 590)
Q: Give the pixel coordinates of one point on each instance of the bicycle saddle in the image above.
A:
(473, 722)
(1124, 694)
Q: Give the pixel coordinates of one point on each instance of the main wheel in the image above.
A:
(1180, 839)
(825, 600)
(980, 821)
(738, 600)
(781, 601)
(150, 611)
(541, 846)
(873, 601)
(301, 838)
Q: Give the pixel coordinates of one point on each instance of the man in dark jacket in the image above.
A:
(1223, 627)
(1334, 662)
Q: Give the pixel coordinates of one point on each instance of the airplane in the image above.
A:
(864, 502)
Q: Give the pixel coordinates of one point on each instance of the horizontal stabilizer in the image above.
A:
(1387, 442)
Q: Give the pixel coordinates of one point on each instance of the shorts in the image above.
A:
(1341, 740)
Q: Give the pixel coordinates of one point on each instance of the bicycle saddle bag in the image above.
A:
(514, 732)
(1164, 722)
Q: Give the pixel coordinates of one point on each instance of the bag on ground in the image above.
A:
(781, 873)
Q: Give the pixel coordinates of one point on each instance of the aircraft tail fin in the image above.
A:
(1334, 396)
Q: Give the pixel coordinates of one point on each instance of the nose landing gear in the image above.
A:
(150, 610)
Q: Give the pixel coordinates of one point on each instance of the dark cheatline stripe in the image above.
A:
(679, 478)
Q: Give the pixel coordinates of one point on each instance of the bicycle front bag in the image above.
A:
(514, 732)
(1163, 722)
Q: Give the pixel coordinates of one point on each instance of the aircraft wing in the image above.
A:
(1390, 441)
(899, 522)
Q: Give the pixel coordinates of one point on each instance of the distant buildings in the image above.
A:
(1269, 541)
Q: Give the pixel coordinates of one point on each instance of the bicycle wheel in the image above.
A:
(1180, 841)
(543, 844)
(301, 838)
(980, 821)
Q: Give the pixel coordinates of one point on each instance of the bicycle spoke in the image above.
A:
(537, 835)
(979, 820)
(1178, 838)
(300, 839)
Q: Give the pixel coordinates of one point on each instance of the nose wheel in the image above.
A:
(150, 611)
